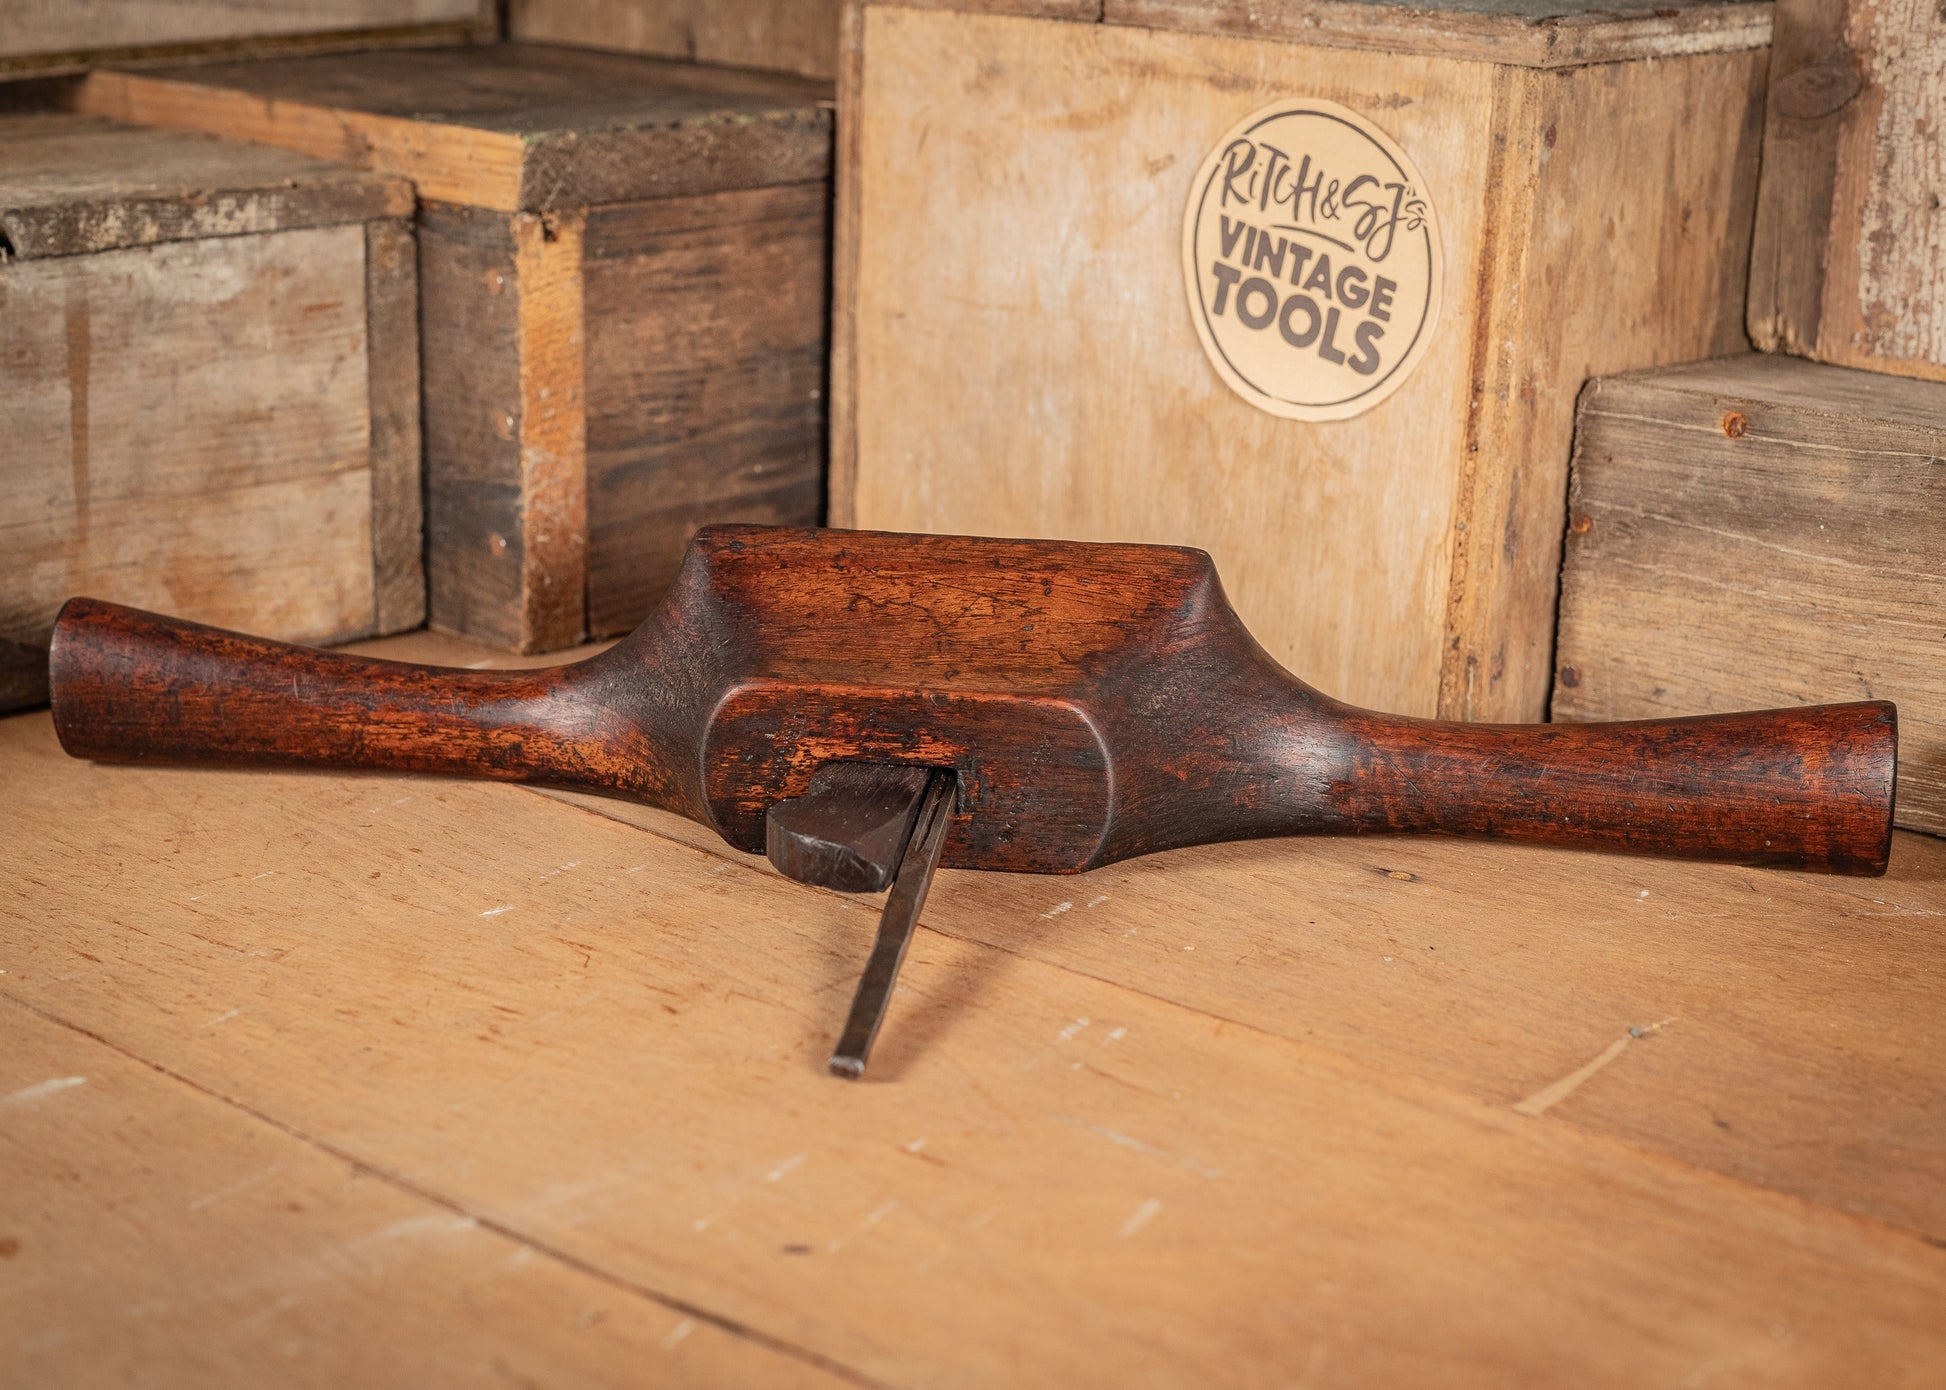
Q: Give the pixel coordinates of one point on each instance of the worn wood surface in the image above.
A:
(706, 372)
(1849, 263)
(74, 184)
(1083, 1161)
(515, 127)
(188, 427)
(1528, 33)
(1098, 703)
(213, 397)
(155, 1231)
(60, 35)
(799, 36)
(506, 433)
(624, 271)
(1760, 531)
(1413, 552)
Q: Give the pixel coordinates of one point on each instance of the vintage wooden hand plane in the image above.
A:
(867, 706)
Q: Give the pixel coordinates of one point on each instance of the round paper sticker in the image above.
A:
(1311, 256)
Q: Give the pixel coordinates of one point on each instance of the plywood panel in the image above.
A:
(1759, 532)
(1026, 365)
(609, 1045)
(173, 411)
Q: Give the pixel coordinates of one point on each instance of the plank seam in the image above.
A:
(485, 1222)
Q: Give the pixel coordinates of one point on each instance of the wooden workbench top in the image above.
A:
(329, 1080)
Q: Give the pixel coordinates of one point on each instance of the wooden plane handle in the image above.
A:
(1810, 786)
(130, 686)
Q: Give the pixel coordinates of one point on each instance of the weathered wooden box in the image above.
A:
(1849, 262)
(1014, 346)
(623, 266)
(1756, 532)
(209, 385)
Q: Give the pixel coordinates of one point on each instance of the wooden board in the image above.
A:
(153, 462)
(65, 35)
(1014, 356)
(515, 127)
(216, 404)
(1064, 1170)
(1529, 33)
(706, 380)
(799, 36)
(155, 1231)
(1757, 532)
(73, 184)
(1850, 256)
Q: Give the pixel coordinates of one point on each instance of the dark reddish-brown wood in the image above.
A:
(1097, 702)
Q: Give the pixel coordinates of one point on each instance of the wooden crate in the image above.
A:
(623, 264)
(211, 399)
(49, 36)
(799, 36)
(1849, 264)
(1755, 532)
(1014, 353)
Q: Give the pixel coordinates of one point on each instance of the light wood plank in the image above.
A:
(219, 383)
(610, 1044)
(551, 345)
(513, 127)
(1582, 170)
(151, 1233)
(1757, 532)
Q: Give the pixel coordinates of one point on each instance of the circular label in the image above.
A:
(1311, 257)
